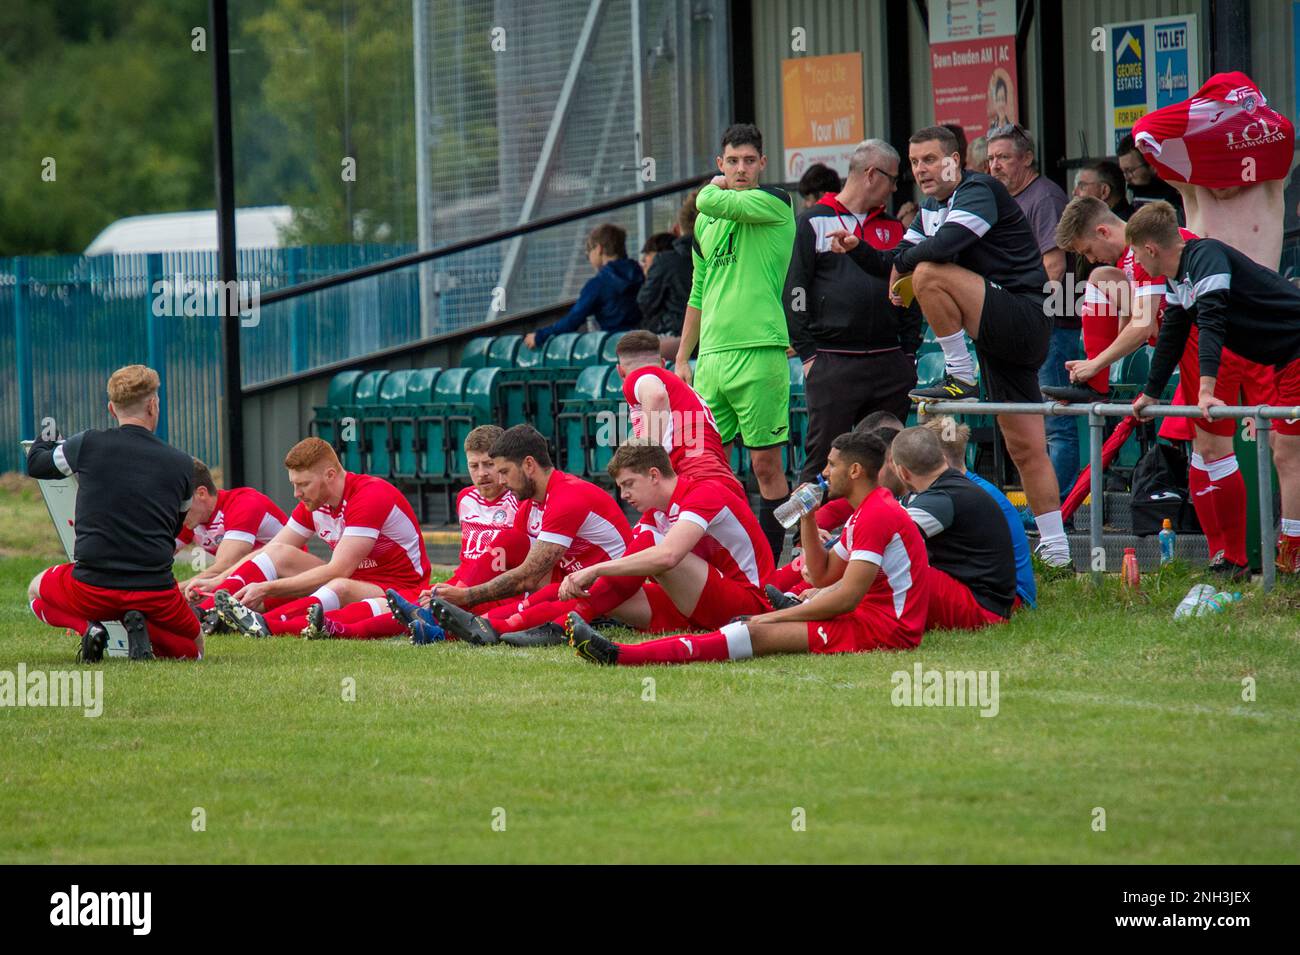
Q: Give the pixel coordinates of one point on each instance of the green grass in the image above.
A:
(1103, 704)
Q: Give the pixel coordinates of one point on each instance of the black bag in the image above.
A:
(1160, 491)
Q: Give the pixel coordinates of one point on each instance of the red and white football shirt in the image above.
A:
(371, 507)
(732, 541)
(578, 515)
(481, 520)
(690, 435)
(881, 532)
(242, 514)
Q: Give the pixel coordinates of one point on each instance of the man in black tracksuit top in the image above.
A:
(133, 491)
(858, 349)
(977, 270)
(972, 579)
(1234, 303)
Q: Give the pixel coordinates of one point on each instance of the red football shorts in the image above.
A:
(1240, 382)
(862, 629)
(954, 607)
(1286, 391)
(164, 610)
(721, 600)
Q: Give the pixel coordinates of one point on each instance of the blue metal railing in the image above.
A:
(66, 322)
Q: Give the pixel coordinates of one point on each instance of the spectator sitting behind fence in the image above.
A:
(609, 297)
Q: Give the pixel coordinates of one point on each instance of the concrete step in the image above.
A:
(1191, 548)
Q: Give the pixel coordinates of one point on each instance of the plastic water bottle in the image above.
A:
(805, 499)
(1190, 606)
(1129, 576)
(1167, 541)
(1215, 603)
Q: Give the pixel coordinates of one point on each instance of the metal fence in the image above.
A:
(1097, 414)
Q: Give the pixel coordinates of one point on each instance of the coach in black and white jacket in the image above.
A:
(857, 349)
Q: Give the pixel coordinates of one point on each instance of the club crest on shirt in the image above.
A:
(499, 516)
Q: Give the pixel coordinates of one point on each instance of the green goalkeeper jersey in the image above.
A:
(741, 252)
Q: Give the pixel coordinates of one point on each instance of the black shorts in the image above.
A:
(1015, 334)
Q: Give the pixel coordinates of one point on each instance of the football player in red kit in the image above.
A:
(1128, 293)
(671, 413)
(484, 510)
(228, 525)
(879, 603)
(372, 532)
(564, 523)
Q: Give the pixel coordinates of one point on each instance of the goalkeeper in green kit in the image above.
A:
(741, 251)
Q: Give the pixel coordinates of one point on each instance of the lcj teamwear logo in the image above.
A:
(103, 908)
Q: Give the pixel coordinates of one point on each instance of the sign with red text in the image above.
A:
(973, 64)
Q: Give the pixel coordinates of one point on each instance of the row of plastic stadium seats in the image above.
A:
(411, 424)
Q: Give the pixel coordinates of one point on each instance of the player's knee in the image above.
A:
(925, 275)
(1286, 451)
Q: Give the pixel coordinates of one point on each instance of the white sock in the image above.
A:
(739, 645)
(265, 565)
(328, 598)
(956, 358)
(1291, 527)
(1051, 532)
(1220, 469)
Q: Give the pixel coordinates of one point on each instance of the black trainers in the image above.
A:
(138, 646)
(1074, 394)
(1227, 571)
(210, 623)
(779, 599)
(238, 617)
(462, 624)
(317, 626)
(950, 389)
(544, 635)
(589, 644)
(93, 642)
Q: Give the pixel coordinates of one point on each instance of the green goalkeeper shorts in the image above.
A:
(748, 391)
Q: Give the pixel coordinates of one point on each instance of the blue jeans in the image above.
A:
(1062, 431)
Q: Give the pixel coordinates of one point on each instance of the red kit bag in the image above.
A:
(1206, 140)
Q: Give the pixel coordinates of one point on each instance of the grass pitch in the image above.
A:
(451, 753)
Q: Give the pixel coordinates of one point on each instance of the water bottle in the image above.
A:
(805, 499)
(1129, 576)
(1167, 540)
(1191, 604)
(1216, 602)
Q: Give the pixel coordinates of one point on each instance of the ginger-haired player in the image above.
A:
(374, 540)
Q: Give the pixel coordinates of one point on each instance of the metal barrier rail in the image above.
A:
(1097, 415)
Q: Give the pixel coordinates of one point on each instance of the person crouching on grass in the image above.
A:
(133, 493)
(879, 603)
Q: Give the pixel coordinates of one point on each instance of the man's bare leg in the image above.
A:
(1286, 457)
(952, 299)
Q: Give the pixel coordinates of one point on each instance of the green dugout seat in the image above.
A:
(444, 424)
(559, 350)
(475, 353)
(586, 350)
(607, 350)
(351, 432)
(377, 424)
(342, 390)
(503, 351)
(408, 443)
(575, 437)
